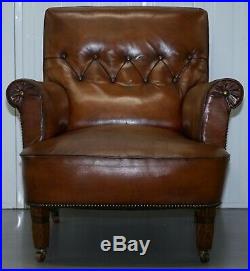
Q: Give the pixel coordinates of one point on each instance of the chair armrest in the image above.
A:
(43, 108)
(206, 109)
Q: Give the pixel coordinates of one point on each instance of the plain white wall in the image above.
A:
(22, 57)
(8, 114)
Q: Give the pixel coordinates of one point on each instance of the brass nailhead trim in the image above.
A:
(124, 205)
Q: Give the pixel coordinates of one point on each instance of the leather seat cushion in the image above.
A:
(123, 164)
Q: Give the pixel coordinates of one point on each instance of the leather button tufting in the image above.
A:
(81, 77)
(160, 57)
(190, 57)
(145, 80)
(175, 79)
(95, 57)
(128, 58)
(63, 55)
(113, 80)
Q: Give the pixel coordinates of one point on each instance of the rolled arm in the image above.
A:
(43, 108)
(206, 110)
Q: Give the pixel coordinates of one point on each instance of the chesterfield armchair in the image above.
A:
(125, 116)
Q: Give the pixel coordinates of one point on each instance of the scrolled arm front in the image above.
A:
(206, 110)
(43, 108)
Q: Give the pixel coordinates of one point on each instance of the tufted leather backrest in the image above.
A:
(126, 64)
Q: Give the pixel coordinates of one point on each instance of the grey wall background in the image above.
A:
(22, 57)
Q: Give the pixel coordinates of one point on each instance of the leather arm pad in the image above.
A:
(206, 109)
(43, 108)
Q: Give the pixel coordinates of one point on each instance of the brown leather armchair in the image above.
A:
(125, 117)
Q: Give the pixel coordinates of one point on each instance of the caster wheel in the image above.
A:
(204, 256)
(41, 255)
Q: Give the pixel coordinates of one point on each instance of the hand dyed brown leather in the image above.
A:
(125, 115)
(206, 110)
(127, 66)
(43, 106)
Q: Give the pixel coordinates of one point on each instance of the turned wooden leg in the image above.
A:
(55, 215)
(40, 231)
(204, 231)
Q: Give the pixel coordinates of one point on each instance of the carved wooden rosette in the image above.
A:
(19, 89)
(231, 89)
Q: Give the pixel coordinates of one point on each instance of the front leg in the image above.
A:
(40, 231)
(55, 215)
(204, 231)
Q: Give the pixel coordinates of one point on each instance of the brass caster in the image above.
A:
(41, 255)
(204, 256)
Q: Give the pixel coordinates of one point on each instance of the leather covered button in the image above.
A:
(64, 55)
(128, 58)
(175, 79)
(160, 57)
(112, 79)
(81, 77)
(190, 57)
(145, 80)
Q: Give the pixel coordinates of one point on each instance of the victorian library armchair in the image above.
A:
(125, 116)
